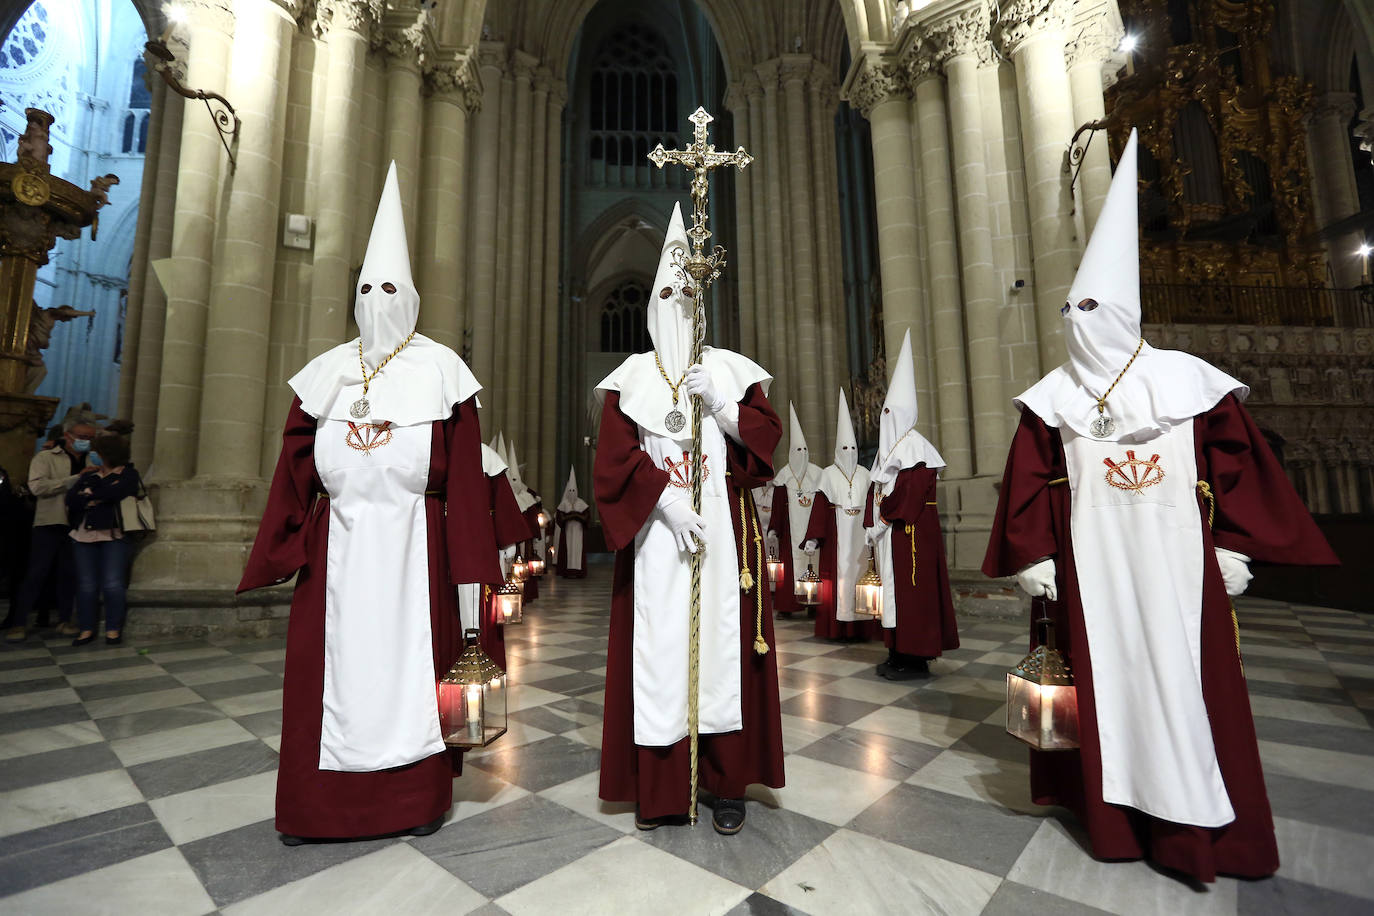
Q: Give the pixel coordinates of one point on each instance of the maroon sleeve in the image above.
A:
(779, 520)
(625, 479)
(280, 549)
(1258, 513)
(505, 512)
(1023, 528)
(531, 517)
(472, 551)
(818, 527)
(913, 488)
(868, 507)
(751, 462)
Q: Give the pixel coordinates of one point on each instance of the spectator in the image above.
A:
(51, 475)
(100, 550)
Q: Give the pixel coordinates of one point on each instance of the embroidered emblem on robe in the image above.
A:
(1133, 474)
(680, 474)
(367, 436)
(803, 500)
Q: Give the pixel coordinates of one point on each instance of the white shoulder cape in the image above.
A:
(646, 398)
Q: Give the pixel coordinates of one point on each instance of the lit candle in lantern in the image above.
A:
(474, 712)
(808, 590)
(868, 592)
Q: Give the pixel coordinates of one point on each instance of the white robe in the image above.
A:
(847, 497)
(801, 495)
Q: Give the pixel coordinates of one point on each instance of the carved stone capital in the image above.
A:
(876, 80)
(963, 34)
(558, 94)
(1094, 41)
(921, 63)
(456, 77)
(795, 68)
(767, 74)
(210, 14)
(359, 16)
(1365, 129)
(1338, 105)
(491, 55)
(1022, 20)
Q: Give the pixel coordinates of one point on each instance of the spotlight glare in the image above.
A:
(1129, 42)
(176, 13)
(1364, 250)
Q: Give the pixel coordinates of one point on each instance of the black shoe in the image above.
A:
(426, 829)
(289, 840)
(653, 823)
(115, 640)
(728, 816)
(909, 668)
(882, 669)
(83, 640)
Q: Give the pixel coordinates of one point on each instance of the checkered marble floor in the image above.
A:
(140, 779)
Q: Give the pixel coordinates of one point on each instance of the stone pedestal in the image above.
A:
(206, 528)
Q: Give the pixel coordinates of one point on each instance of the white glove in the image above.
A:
(698, 382)
(810, 546)
(1235, 570)
(1037, 579)
(685, 524)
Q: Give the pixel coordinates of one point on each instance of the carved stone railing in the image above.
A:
(1256, 305)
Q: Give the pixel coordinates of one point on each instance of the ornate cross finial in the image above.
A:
(700, 157)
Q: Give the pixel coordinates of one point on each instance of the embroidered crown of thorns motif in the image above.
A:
(1133, 474)
(366, 436)
(680, 473)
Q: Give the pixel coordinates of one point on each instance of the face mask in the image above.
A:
(94, 460)
(80, 446)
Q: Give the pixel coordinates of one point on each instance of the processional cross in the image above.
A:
(700, 157)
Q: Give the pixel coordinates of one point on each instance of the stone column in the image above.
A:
(403, 127)
(771, 166)
(963, 39)
(1032, 33)
(802, 263)
(743, 255)
(1328, 139)
(829, 270)
(231, 410)
(516, 251)
(148, 371)
(880, 91)
(942, 253)
(442, 236)
(505, 147)
(483, 194)
(548, 362)
(531, 369)
(138, 273)
(766, 308)
(331, 278)
(1085, 56)
(202, 163)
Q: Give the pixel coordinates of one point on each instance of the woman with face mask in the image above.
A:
(836, 533)
(100, 550)
(379, 506)
(1136, 493)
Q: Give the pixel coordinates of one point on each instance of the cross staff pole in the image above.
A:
(700, 157)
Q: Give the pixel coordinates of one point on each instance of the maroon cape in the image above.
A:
(510, 528)
(293, 540)
(823, 529)
(627, 485)
(780, 523)
(561, 559)
(1257, 514)
(925, 608)
(530, 520)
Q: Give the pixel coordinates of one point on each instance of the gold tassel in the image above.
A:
(760, 645)
(746, 581)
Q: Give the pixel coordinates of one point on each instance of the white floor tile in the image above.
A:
(928, 727)
(50, 738)
(174, 742)
(976, 776)
(19, 675)
(854, 873)
(626, 877)
(868, 691)
(396, 879)
(477, 791)
(65, 799)
(1053, 861)
(38, 699)
(115, 675)
(524, 696)
(824, 791)
(249, 703)
(836, 666)
(1334, 767)
(1326, 857)
(219, 675)
(797, 732)
(141, 702)
(580, 795)
(214, 809)
(1316, 713)
(160, 884)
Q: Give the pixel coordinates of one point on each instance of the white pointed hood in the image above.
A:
(493, 465)
(844, 482)
(798, 454)
(1102, 331)
(499, 443)
(670, 316)
(421, 383)
(523, 496)
(900, 446)
(644, 396)
(571, 502)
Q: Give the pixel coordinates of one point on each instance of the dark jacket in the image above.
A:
(100, 509)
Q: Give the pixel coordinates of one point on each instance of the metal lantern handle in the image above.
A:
(1044, 621)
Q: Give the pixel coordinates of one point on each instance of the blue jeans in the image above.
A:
(101, 569)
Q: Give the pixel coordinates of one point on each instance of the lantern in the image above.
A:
(776, 571)
(472, 698)
(808, 589)
(535, 566)
(868, 592)
(542, 519)
(1042, 703)
(519, 571)
(510, 601)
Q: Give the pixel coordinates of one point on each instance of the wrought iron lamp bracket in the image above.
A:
(222, 113)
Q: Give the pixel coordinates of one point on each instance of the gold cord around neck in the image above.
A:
(367, 379)
(663, 372)
(1102, 401)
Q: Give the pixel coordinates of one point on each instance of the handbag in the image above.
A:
(136, 512)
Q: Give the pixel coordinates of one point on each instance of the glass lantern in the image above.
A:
(510, 601)
(519, 570)
(776, 571)
(868, 592)
(808, 588)
(542, 520)
(472, 698)
(535, 566)
(1042, 703)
